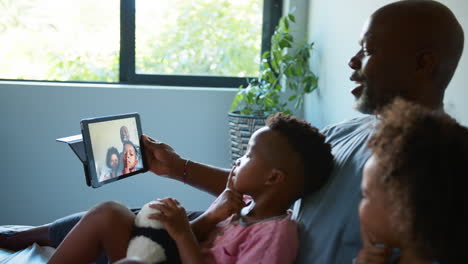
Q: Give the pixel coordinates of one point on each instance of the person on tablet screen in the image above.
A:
(124, 134)
(112, 162)
(129, 158)
(125, 137)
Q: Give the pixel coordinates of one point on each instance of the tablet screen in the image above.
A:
(113, 147)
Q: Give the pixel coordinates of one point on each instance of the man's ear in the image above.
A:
(276, 176)
(426, 61)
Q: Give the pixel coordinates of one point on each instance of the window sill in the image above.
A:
(5, 83)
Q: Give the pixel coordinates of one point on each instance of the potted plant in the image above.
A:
(285, 78)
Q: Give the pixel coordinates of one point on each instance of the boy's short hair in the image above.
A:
(422, 156)
(310, 144)
(128, 142)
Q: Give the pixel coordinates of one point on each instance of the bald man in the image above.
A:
(408, 49)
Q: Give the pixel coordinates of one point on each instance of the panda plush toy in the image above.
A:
(150, 242)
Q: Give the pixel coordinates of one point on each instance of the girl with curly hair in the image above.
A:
(413, 188)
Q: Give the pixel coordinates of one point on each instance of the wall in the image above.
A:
(42, 179)
(335, 26)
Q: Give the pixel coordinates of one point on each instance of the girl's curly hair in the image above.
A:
(111, 151)
(422, 156)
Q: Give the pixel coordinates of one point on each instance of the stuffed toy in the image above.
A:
(150, 242)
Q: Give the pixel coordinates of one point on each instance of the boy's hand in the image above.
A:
(370, 252)
(228, 202)
(172, 216)
(161, 158)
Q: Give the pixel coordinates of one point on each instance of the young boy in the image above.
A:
(414, 188)
(285, 160)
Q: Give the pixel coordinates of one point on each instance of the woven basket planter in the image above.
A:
(241, 128)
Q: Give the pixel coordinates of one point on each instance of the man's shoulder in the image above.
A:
(345, 127)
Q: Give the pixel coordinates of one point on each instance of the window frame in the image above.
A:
(272, 11)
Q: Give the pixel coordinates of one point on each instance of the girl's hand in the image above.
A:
(372, 253)
(173, 216)
(228, 202)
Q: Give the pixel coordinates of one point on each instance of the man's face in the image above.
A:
(382, 67)
(129, 157)
(374, 209)
(124, 134)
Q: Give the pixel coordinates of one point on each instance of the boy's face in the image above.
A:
(374, 210)
(253, 168)
(129, 157)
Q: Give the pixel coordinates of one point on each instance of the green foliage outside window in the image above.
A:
(66, 66)
(209, 37)
(71, 40)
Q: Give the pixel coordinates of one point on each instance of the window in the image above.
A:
(204, 43)
(59, 40)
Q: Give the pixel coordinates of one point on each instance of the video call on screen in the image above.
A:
(116, 148)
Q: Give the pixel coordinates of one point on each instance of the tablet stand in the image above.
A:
(77, 145)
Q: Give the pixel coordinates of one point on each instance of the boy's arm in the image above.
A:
(202, 225)
(228, 202)
(189, 250)
(174, 218)
(164, 161)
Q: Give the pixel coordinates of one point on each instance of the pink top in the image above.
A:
(269, 241)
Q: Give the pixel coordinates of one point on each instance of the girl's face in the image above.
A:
(114, 161)
(375, 211)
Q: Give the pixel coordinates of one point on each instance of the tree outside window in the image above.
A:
(70, 40)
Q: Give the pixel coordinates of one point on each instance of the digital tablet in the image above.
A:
(113, 148)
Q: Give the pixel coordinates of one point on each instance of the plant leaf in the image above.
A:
(237, 99)
(292, 97)
(285, 64)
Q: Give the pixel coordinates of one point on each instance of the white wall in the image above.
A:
(41, 179)
(335, 26)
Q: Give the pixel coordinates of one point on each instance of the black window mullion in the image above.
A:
(127, 41)
(272, 10)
